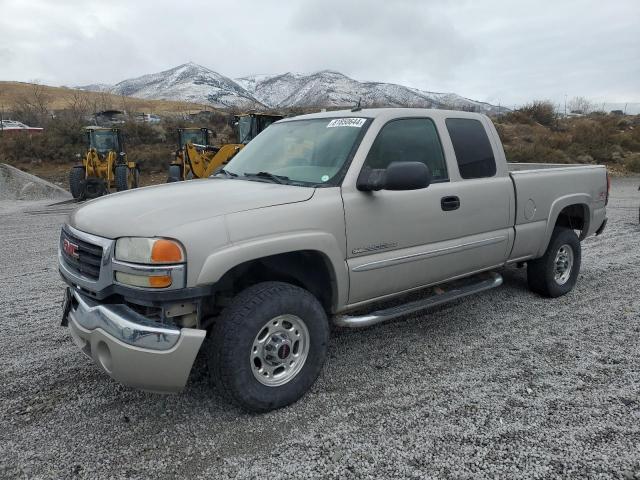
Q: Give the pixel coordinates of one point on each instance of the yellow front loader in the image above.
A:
(196, 158)
(105, 166)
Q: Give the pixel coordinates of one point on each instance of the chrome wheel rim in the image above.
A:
(563, 264)
(279, 350)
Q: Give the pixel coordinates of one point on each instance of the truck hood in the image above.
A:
(150, 211)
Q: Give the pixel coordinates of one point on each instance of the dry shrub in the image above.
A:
(590, 139)
(151, 158)
(518, 116)
(538, 111)
(632, 163)
(535, 153)
(57, 145)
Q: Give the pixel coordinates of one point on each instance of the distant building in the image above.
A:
(147, 118)
(107, 118)
(13, 126)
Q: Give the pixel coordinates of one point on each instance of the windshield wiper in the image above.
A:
(270, 176)
(227, 173)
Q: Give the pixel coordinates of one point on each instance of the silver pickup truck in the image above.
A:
(321, 218)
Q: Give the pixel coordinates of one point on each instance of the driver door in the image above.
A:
(400, 240)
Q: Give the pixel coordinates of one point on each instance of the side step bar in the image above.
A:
(459, 289)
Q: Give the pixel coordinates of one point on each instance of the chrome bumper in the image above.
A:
(122, 323)
(132, 349)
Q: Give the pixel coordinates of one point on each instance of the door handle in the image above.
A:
(450, 203)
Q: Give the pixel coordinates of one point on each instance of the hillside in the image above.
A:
(59, 98)
(323, 89)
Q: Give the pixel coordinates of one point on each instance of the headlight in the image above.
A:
(154, 251)
(150, 263)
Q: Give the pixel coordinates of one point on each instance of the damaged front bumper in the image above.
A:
(131, 348)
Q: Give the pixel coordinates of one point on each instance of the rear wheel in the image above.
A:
(76, 181)
(175, 174)
(556, 272)
(269, 346)
(135, 177)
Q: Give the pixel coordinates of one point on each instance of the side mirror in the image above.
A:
(407, 176)
(397, 176)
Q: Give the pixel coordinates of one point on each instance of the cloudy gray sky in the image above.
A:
(497, 51)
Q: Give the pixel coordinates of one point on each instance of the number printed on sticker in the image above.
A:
(346, 122)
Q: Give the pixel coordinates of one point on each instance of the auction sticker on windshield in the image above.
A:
(346, 122)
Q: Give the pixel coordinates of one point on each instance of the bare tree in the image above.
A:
(78, 106)
(33, 108)
(580, 105)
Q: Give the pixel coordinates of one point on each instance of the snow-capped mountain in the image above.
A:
(324, 89)
(328, 88)
(96, 87)
(189, 83)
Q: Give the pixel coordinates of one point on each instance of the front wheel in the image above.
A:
(269, 346)
(556, 272)
(126, 178)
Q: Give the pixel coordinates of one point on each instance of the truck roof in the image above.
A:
(388, 113)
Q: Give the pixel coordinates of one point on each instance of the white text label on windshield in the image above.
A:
(346, 122)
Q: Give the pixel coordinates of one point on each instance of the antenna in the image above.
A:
(357, 108)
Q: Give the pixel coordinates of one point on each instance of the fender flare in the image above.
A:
(582, 199)
(222, 261)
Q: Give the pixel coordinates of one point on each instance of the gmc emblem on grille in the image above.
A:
(70, 249)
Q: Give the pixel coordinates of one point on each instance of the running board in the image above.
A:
(459, 289)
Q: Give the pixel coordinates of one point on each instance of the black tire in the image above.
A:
(229, 351)
(122, 178)
(541, 273)
(136, 177)
(175, 173)
(76, 182)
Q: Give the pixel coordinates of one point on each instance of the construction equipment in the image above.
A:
(196, 158)
(104, 167)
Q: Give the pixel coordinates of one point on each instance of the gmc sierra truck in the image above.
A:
(321, 218)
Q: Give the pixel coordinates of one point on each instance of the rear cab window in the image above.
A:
(472, 147)
(409, 140)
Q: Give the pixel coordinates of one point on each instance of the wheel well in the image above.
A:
(575, 217)
(308, 269)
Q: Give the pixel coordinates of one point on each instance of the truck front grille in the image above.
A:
(83, 257)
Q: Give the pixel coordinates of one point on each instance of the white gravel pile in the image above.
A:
(502, 384)
(18, 185)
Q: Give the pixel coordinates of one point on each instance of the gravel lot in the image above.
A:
(502, 384)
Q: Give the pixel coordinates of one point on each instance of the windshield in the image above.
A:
(196, 137)
(103, 140)
(304, 151)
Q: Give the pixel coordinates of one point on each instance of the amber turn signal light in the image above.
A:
(160, 281)
(166, 251)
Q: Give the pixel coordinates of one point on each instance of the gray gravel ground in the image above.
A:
(502, 384)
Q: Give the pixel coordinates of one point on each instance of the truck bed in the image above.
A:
(543, 190)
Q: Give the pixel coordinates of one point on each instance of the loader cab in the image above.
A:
(197, 136)
(104, 140)
(251, 124)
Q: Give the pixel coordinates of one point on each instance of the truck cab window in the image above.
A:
(473, 149)
(409, 140)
